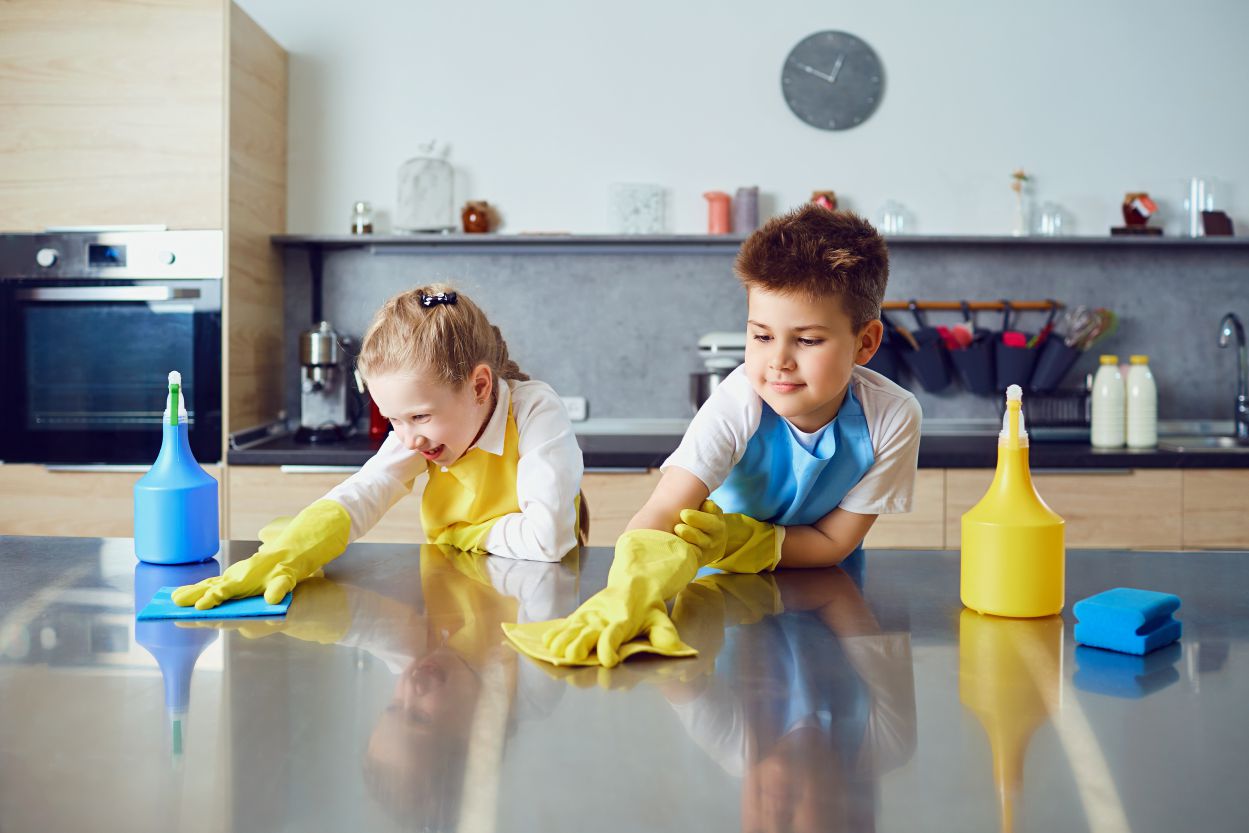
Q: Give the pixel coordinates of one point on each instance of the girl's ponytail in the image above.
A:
(504, 366)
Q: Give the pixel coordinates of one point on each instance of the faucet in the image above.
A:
(1231, 327)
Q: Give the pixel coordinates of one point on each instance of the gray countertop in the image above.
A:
(823, 700)
(646, 443)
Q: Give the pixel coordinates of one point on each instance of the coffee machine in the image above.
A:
(325, 397)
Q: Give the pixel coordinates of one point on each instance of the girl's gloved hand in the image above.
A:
(289, 553)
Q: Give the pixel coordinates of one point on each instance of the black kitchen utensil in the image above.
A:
(975, 364)
(929, 364)
(885, 361)
(1014, 364)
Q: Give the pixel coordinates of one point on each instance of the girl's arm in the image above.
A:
(384, 479)
(548, 479)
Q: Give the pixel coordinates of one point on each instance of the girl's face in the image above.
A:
(437, 420)
(800, 353)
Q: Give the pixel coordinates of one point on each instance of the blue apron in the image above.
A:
(779, 481)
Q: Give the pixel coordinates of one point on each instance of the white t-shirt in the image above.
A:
(719, 432)
(548, 476)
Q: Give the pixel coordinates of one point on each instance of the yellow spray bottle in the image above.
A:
(1013, 547)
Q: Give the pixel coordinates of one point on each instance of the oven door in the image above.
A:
(85, 366)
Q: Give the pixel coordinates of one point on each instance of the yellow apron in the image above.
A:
(462, 502)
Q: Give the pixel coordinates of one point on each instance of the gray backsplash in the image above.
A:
(621, 329)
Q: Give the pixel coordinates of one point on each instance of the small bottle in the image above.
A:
(175, 503)
(362, 218)
(1108, 405)
(1142, 395)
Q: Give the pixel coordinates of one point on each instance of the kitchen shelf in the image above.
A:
(399, 244)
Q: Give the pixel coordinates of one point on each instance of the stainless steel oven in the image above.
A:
(91, 323)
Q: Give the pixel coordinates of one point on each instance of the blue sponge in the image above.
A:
(1127, 620)
(162, 607)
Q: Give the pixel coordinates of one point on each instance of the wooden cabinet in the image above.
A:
(166, 112)
(258, 494)
(1138, 509)
(1216, 508)
(614, 498)
(37, 501)
(924, 526)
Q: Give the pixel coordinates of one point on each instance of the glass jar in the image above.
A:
(362, 218)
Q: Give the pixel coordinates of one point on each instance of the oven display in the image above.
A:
(99, 254)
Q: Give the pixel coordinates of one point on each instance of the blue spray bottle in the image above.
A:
(175, 503)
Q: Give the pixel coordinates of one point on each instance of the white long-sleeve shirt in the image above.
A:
(548, 476)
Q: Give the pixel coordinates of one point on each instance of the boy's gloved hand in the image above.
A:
(734, 543)
(649, 567)
(290, 552)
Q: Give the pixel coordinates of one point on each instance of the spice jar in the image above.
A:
(362, 218)
(475, 217)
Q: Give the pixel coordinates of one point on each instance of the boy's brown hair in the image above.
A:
(819, 253)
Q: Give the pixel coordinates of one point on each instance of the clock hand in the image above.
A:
(836, 69)
(813, 71)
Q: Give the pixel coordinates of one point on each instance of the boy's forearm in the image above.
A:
(806, 546)
(677, 490)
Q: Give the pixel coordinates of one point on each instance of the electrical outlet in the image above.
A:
(577, 407)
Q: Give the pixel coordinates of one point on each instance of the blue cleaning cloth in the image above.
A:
(1125, 675)
(1127, 620)
(162, 607)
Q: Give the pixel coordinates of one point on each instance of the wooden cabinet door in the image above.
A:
(258, 494)
(1136, 509)
(924, 526)
(613, 498)
(81, 503)
(1216, 508)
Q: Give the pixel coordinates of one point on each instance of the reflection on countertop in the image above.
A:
(841, 699)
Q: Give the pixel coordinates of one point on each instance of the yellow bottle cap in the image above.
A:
(1108, 358)
(1138, 359)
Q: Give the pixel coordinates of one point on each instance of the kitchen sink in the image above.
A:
(1204, 442)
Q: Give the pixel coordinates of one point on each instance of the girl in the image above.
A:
(492, 454)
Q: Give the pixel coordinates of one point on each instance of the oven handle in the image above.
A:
(64, 294)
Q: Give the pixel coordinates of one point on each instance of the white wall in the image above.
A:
(545, 103)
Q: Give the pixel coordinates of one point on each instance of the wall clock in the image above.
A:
(832, 80)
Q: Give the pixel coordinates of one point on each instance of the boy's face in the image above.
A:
(435, 419)
(800, 353)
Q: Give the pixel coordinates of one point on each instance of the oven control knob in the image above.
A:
(167, 258)
(46, 257)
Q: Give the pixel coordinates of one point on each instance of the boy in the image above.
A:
(801, 446)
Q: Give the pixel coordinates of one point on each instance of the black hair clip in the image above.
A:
(433, 300)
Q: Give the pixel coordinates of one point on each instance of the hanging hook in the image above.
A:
(913, 306)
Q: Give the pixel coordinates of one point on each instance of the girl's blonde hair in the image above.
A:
(447, 339)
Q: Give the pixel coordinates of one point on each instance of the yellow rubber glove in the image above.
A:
(319, 613)
(734, 543)
(289, 553)
(465, 536)
(626, 617)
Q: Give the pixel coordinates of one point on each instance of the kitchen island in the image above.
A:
(856, 699)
